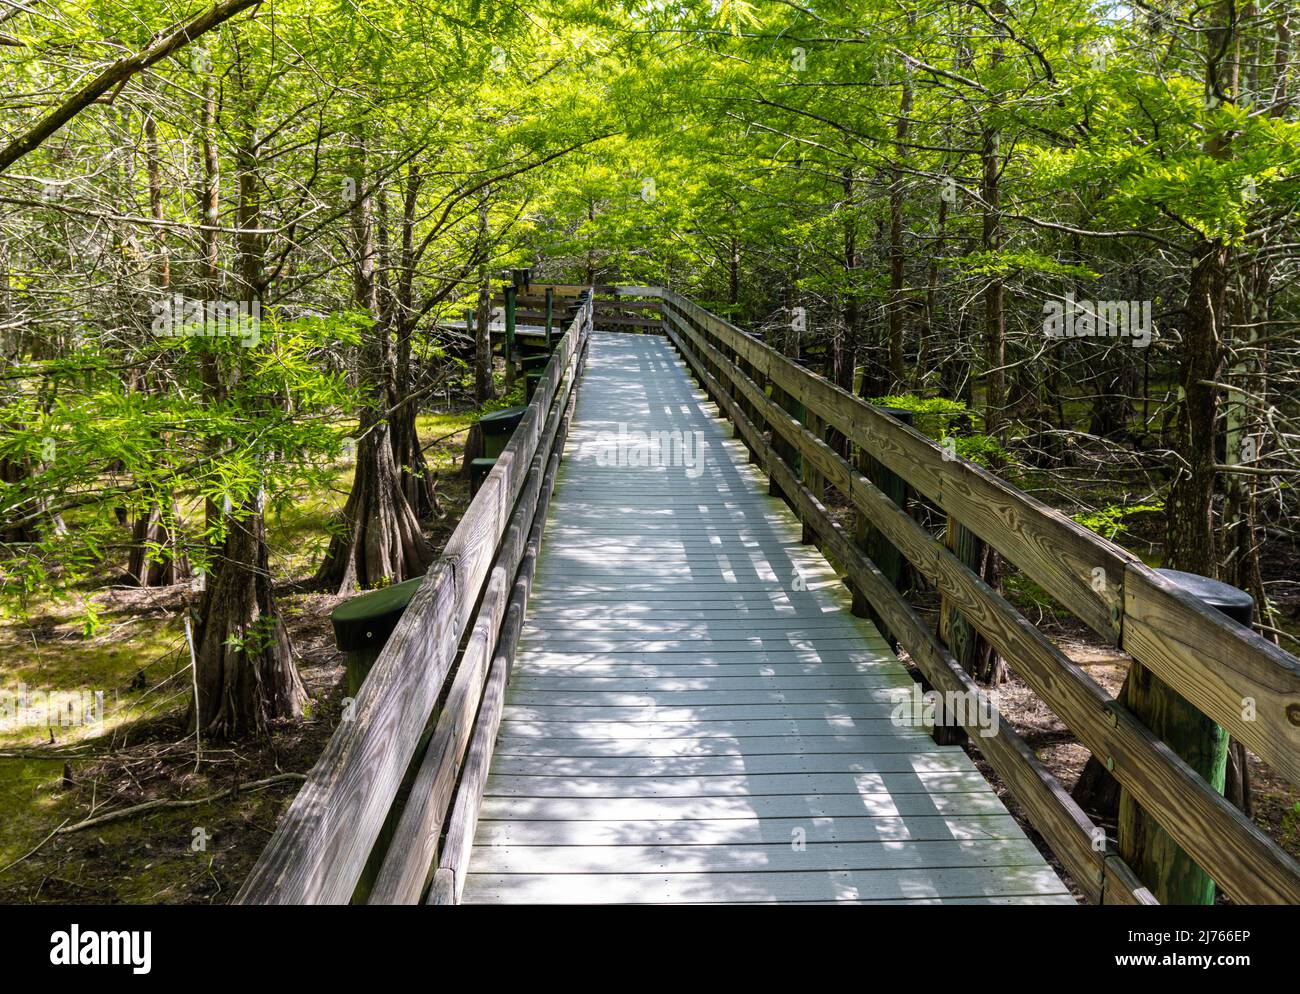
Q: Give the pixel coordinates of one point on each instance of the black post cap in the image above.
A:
(898, 413)
(506, 419)
(1236, 604)
(367, 620)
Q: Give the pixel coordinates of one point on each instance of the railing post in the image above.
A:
(789, 348)
(711, 367)
(734, 392)
(1173, 876)
(811, 478)
(756, 417)
(508, 292)
(789, 455)
(550, 303)
(967, 645)
(876, 547)
(959, 635)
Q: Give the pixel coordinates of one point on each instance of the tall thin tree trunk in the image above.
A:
(484, 388)
(155, 558)
(379, 541)
(897, 277)
(733, 279)
(1190, 537)
(244, 668)
(995, 380)
(844, 354)
(931, 296)
(209, 271)
(417, 477)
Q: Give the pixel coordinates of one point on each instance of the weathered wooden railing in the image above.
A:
(1222, 668)
(534, 304)
(474, 594)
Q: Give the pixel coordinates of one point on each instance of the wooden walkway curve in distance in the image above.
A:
(694, 715)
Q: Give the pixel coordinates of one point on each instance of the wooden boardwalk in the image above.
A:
(694, 715)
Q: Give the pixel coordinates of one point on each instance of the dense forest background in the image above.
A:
(1063, 233)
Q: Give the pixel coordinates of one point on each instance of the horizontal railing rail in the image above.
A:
(612, 309)
(411, 856)
(321, 846)
(448, 881)
(1214, 663)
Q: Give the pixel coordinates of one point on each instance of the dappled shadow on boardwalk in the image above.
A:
(695, 715)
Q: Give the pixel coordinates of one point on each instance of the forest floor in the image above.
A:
(53, 779)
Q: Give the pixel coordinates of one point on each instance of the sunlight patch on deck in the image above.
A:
(695, 716)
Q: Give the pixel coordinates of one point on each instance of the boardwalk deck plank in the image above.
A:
(752, 830)
(766, 887)
(916, 743)
(691, 695)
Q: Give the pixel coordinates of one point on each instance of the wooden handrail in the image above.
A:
(1098, 581)
(412, 850)
(1100, 872)
(1229, 846)
(321, 845)
(449, 874)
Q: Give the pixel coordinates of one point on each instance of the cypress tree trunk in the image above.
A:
(484, 388)
(417, 478)
(1190, 540)
(155, 558)
(209, 201)
(144, 565)
(379, 541)
(244, 669)
(417, 483)
(13, 472)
